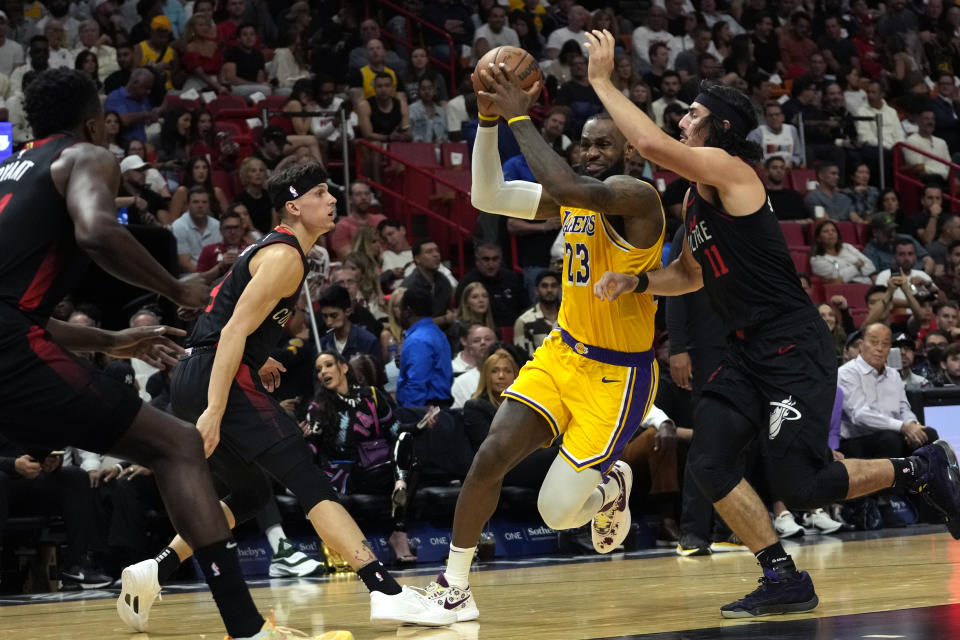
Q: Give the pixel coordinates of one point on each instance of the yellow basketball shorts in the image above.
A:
(597, 398)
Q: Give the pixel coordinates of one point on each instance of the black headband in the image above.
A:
(724, 111)
(297, 188)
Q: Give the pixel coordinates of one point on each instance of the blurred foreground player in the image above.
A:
(56, 210)
(223, 385)
(778, 375)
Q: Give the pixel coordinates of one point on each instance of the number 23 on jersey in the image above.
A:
(577, 258)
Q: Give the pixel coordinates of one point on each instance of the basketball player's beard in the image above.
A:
(613, 170)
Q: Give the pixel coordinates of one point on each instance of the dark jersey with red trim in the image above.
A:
(747, 269)
(224, 297)
(40, 262)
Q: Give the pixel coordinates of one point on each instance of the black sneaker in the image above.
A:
(940, 484)
(776, 594)
(692, 545)
(86, 577)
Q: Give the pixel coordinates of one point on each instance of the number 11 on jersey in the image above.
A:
(716, 262)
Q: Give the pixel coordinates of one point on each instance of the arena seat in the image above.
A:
(854, 293)
(174, 101)
(420, 154)
(799, 177)
(447, 149)
(801, 258)
(232, 107)
(795, 234)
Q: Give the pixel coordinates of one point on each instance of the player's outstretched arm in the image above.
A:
(277, 270)
(707, 165)
(554, 175)
(682, 276)
(89, 176)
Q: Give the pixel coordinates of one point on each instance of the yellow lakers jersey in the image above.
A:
(592, 247)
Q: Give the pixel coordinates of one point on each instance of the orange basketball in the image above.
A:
(526, 71)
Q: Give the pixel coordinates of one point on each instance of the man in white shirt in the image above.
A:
(906, 256)
(925, 140)
(877, 421)
(495, 32)
(90, 40)
(11, 51)
(468, 363)
(60, 56)
(577, 19)
(778, 139)
(867, 130)
(669, 88)
(654, 31)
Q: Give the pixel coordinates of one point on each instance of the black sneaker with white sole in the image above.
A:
(86, 577)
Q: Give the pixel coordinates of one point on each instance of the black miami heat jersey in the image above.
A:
(224, 297)
(747, 269)
(39, 259)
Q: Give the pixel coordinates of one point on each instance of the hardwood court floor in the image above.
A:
(552, 600)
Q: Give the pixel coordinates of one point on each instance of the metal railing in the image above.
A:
(877, 120)
(460, 228)
(450, 65)
(899, 176)
(342, 112)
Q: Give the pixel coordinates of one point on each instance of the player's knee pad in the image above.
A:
(813, 491)
(721, 434)
(564, 493)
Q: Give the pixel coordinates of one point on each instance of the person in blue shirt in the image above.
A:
(343, 336)
(426, 374)
(132, 103)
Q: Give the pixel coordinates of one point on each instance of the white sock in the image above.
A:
(458, 566)
(274, 535)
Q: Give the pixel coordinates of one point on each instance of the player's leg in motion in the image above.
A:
(723, 432)
(174, 451)
(568, 498)
(290, 463)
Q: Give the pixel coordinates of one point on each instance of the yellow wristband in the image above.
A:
(517, 119)
(488, 118)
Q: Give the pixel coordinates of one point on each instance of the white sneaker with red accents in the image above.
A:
(410, 606)
(612, 523)
(460, 601)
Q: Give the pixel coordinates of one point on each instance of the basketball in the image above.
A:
(524, 66)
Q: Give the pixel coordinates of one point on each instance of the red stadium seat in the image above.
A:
(858, 315)
(273, 103)
(506, 334)
(173, 101)
(448, 149)
(801, 258)
(222, 179)
(853, 292)
(799, 178)
(795, 234)
(420, 154)
(848, 231)
(666, 176)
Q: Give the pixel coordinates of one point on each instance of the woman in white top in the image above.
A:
(290, 63)
(834, 259)
(853, 93)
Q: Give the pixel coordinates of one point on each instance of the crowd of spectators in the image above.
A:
(398, 331)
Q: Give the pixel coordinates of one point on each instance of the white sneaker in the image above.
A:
(612, 523)
(821, 521)
(786, 526)
(455, 599)
(409, 607)
(138, 589)
(289, 562)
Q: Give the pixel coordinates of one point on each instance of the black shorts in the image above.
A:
(783, 378)
(253, 421)
(50, 398)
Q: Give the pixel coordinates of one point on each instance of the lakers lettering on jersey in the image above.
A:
(592, 247)
(593, 380)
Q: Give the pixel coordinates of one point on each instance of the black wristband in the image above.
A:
(643, 281)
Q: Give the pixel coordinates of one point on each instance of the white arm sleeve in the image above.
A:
(516, 199)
